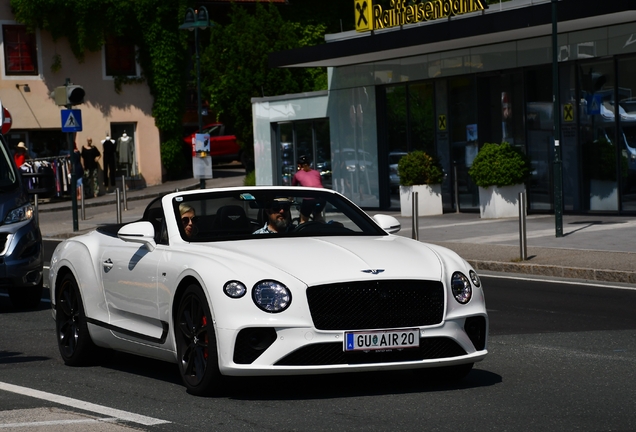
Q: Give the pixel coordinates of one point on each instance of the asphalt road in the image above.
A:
(561, 357)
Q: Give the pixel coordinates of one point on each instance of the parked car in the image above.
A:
(219, 299)
(223, 148)
(21, 261)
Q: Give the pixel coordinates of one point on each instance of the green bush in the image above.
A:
(499, 165)
(172, 158)
(418, 168)
(250, 179)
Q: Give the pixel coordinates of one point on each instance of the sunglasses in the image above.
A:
(187, 219)
(280, 206)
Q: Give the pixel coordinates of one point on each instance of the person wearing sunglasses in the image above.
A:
(188, 219)
(277, 213)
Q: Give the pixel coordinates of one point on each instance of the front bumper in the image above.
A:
(21, 257)
(290, 351)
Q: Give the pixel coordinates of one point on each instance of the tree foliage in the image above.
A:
(236, 64)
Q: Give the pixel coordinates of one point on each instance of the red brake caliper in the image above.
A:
(204, 323)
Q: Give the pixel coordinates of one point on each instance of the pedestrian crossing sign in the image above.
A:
(71, 120)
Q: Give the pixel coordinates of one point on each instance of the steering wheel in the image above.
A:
(307, 225)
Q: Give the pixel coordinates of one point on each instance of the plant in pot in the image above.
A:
(419, 172)
(500, 171)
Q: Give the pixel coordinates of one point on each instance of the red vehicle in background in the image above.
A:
(223, 148)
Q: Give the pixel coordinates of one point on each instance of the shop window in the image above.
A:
(120, 57)
(20, 53)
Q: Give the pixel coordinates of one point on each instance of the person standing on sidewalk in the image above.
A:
(90, 158)
(308, 177)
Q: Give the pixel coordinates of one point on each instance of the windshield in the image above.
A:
(261, 212)
(8, 172)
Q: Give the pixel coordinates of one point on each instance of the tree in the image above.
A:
(236, 64)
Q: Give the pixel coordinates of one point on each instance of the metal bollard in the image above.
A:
(82, 207)
(456, 188)
(523, 245)
(123, 187)
(416, 230)
(118, 203)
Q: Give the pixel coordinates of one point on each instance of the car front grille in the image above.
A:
(382, 304)
(333, 354)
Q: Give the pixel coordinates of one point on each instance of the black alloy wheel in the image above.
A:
(196, 343)
(73, 340)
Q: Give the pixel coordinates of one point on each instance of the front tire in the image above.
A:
(196, 343)
(73, 340)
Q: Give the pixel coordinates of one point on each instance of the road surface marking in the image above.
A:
(86, 406)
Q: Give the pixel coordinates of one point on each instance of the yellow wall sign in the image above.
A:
(568, 113)
(363, 15)
(373, 17)
(441, 123)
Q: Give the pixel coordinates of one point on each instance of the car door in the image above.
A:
(129, 278)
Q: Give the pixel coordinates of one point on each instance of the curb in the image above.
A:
(598, 275)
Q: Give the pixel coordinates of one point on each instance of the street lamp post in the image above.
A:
(195, 20)
(558, 163)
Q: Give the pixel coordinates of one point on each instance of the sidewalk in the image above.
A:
(593, 247)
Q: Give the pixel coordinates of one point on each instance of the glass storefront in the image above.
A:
(308, 138)
(627, 132)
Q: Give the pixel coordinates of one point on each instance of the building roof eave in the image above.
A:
(461, 32)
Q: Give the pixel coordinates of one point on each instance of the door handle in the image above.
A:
(108, 264)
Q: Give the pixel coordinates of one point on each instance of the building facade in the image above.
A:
(448, 76)
(33, 65)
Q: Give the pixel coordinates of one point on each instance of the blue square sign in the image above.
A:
(71, 120)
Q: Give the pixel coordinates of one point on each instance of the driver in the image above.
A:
(188, 220)
(278, 217)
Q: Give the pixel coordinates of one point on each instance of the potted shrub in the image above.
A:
(421, 173)
(500, 171)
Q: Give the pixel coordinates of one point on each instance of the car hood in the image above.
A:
(322, 260)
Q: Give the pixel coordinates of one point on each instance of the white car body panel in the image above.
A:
(128, 290)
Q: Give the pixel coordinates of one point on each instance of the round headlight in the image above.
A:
(271, 296)
(474, 278)
(460, 285)
(234, 289)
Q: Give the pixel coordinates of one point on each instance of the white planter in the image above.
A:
(499, 202)
(429, 200)
(603, 195)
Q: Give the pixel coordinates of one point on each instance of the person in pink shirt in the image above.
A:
(308, 177)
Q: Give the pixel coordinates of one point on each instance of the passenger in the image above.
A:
(278, 219)
(188, 220)
(308, 177)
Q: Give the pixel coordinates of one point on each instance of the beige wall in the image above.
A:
(36, 110)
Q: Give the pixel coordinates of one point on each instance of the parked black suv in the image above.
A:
(21, 261)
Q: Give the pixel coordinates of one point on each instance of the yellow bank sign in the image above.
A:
(373, 17)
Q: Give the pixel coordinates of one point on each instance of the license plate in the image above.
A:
(382, 340)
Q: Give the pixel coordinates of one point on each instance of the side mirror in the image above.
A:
(139, 232)
(387, 223)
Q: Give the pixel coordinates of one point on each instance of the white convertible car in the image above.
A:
(266, 281)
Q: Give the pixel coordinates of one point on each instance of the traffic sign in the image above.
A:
(71, 120)
(6, 120)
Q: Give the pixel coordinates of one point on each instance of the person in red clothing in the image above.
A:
(20, 155)
(308, 177)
